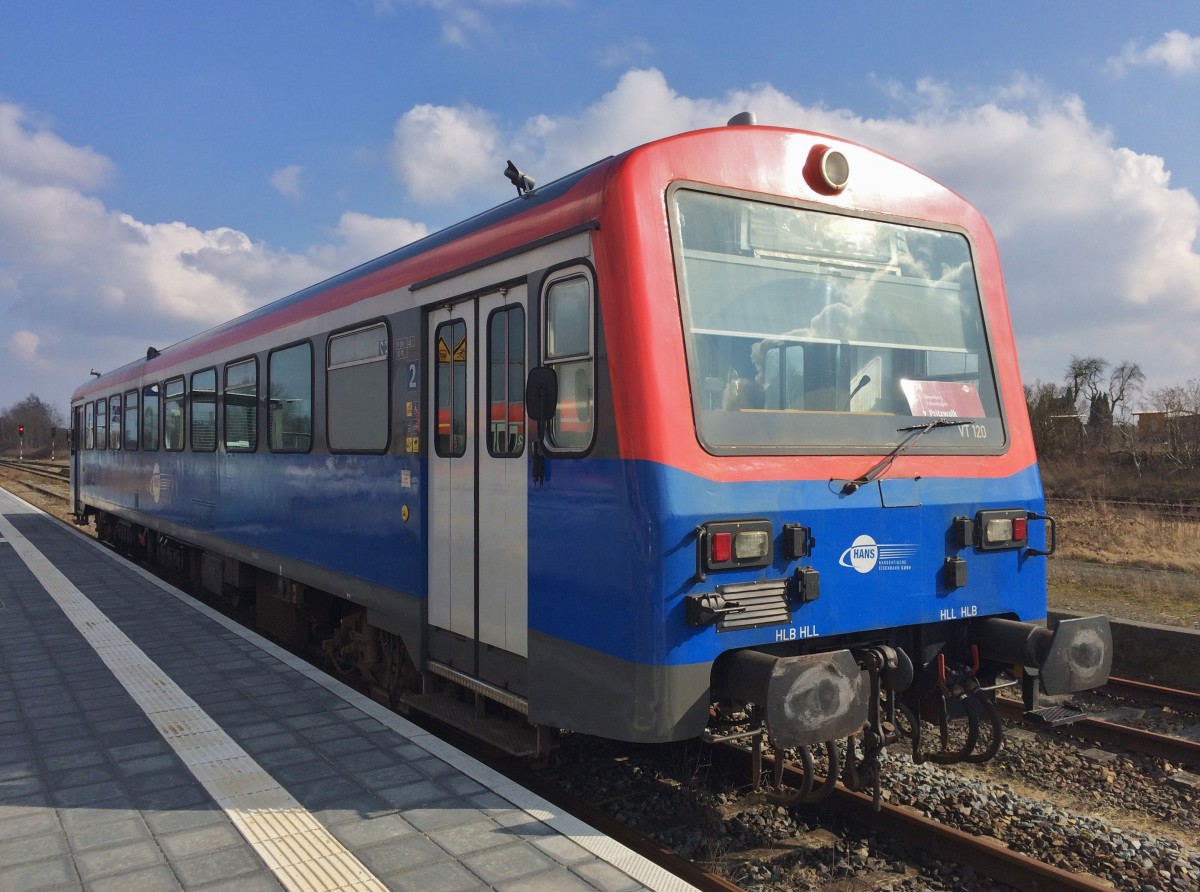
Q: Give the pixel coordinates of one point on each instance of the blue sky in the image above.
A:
(165, 166)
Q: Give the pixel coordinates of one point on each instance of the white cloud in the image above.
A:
(286, 181)
(24, 344)
(441, 153)
(38, 156)
(1097, 244)
(361, 238)
(83, 285)
(1175, 51)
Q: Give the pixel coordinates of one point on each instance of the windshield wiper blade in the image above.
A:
(916, 432)
(937, 422)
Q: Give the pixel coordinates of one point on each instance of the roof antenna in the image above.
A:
(151, 353)
(523, 182)
(742, 119)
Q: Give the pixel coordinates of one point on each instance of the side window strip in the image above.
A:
(173, 403)
(506, 382)
(357, 390)
(204, 411)
(241, 406)
(132, 421)
(450, 379)
(569, 349)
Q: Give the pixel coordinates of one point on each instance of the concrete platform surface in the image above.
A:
(148, 743)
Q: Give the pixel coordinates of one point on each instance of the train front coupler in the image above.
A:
(807, 703)
(1075, 656)
(889, 671)
(803, 700)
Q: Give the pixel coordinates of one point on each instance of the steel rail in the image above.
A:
(34, 469)
(8, 481)
(1148, 743)
(987, 856)
(983, 854)
(1160, 696)
(1150, 505)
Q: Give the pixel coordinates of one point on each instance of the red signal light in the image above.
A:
(722, 548)
(21, 430)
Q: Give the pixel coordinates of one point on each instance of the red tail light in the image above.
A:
(729, 544)
(722, 547)
(1003, 528)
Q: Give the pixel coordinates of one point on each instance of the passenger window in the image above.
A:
(450, 380)
(101, 424)
(173, 402)
(204, 411)
(150, 399)
(357, 390)
(241, 406)
(130, 431)
(506, 382)
(569, 351)
(289, 422)
(89, 426)
(114, 421)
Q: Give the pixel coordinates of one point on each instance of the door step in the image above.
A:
(505, 731)
(1057, 714)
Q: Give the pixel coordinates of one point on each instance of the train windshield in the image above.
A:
(811, 331)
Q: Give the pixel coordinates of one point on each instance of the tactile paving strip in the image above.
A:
(303, 855)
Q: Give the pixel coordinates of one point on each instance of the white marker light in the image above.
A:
(998, 529)
(751, 544)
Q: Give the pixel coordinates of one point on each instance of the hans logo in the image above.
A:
(861, 555)
(865, 555)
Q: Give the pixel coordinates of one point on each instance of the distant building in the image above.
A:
(1162, 427)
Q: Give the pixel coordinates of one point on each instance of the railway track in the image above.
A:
(1155, 694)
(1167, 510)
(984, 855)
(1178, 750)
(1138, 740)
(18, 474)
(50, 470)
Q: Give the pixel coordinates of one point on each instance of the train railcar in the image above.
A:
(728, 424)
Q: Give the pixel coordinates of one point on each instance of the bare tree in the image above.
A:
(1056, 425)
(1084, 377)
(1103, 402)
(1177, 434)
(37, 417)
(1124, 382)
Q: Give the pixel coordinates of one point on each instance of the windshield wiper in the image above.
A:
(915, 432)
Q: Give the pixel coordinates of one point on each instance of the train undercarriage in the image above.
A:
(830, 713)
(874, 696)
(337, 634)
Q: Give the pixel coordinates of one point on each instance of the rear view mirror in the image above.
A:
(541, 393)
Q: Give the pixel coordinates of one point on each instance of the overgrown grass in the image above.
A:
(1128, 563)
(1098, 531)
(1103, 476)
